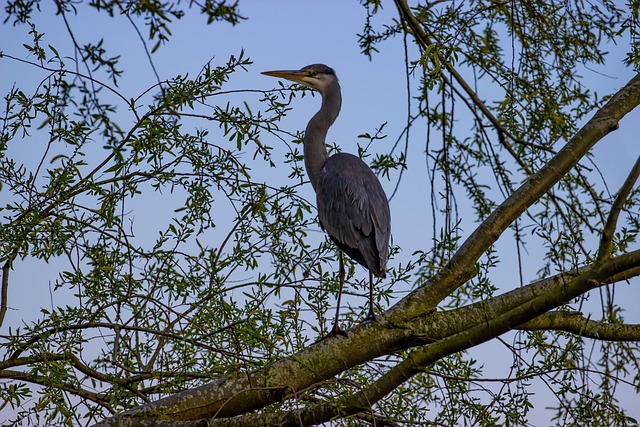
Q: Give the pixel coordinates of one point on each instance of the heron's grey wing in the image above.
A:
(354, 211)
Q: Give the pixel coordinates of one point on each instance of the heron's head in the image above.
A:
(315, 76)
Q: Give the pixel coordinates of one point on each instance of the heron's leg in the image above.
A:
(371, 317)
(336, 328)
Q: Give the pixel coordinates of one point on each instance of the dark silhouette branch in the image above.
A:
(44, 381)
(606, 241)
(113, 326)
(4, 290)
(4, 286)
(423, 39)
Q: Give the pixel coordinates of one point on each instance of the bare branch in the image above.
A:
(606, 241)
(4, 291)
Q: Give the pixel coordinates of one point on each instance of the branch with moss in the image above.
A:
(576, 323)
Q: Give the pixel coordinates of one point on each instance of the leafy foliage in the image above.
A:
(230, 276)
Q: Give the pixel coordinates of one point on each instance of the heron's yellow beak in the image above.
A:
(297, 76)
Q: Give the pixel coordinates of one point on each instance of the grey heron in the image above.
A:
(352, 206)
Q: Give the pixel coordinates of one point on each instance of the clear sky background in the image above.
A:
(287, 34)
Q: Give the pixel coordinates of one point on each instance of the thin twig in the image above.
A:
(5, 287)
(606, 241)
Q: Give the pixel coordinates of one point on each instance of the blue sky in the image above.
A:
(285, 34)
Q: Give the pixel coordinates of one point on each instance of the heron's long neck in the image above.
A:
(315, 152)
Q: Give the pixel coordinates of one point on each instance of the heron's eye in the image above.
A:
(312, 73)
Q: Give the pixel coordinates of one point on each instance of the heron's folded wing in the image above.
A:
(354, 210)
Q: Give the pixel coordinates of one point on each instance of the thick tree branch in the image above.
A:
(453, 322)
(497, 317)
(526, 311)
(491, 327)
(577, 324)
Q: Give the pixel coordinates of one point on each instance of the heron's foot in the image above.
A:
(371, 317)
(335, 331)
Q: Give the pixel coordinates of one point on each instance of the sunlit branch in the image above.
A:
(578, 324)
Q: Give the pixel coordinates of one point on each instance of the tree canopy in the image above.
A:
(162, 234)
